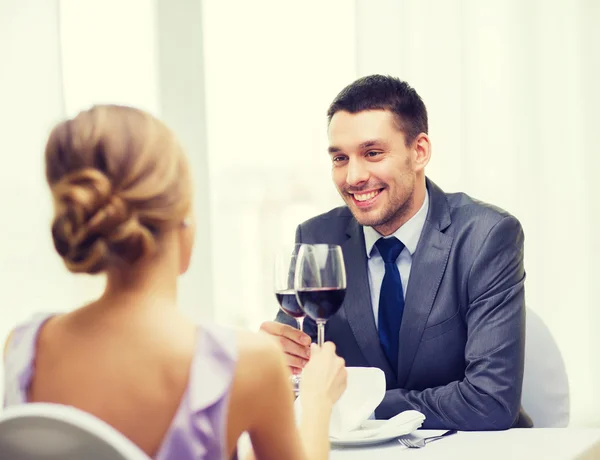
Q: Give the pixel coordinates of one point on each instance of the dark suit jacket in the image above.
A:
(462, 337)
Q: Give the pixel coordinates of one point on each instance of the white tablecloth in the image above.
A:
(515, 444)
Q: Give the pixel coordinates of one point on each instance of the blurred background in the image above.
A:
(511, 89)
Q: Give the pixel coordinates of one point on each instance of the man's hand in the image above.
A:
(295, 343)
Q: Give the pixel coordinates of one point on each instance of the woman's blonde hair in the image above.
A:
(118, 179)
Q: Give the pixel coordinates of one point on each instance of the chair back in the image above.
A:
(39, 431)
(545, 394)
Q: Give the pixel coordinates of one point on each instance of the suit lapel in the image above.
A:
(357, 306)
(428, 267)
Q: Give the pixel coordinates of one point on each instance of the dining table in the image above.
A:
(513, 444)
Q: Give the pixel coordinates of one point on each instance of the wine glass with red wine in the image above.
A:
(320, 282)
(284, 275)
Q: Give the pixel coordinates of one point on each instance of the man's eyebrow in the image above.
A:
(372, 143)
(364, 145)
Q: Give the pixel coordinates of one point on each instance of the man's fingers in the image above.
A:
(296, 336)
(295, 362)
(283, 330)
(292, 348)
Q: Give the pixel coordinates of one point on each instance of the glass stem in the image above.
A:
(321, 332)
(300, 322)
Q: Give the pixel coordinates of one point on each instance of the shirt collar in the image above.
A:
(409, 233)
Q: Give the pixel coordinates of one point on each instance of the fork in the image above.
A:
(418, 443)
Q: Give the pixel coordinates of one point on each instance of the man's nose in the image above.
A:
(356, 173)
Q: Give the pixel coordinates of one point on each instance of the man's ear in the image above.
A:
(421, 151)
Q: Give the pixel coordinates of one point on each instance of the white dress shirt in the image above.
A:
(409, 234)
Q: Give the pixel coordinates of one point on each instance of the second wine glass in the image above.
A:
(320, 283)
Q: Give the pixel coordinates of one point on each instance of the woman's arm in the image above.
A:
(262, 401)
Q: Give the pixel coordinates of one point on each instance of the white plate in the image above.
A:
(361, 437)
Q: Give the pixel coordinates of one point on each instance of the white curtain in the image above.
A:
(512, 93)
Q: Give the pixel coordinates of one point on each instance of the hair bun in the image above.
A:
(93, 224)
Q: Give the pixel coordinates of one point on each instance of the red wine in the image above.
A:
(289, 304)
(321, 303)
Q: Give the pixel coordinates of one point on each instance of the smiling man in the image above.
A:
(435, 281)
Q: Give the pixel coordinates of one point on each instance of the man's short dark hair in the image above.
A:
(380, 92)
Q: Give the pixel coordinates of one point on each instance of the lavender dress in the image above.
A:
(198, 430)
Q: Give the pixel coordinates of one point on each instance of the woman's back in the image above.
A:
(165, 388)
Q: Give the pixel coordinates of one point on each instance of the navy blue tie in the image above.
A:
(391, 299)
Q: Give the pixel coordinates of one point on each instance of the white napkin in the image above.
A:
(404, 423)
(365, 391)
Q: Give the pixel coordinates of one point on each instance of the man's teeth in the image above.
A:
(365, 196)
